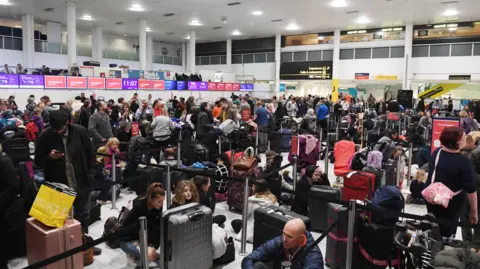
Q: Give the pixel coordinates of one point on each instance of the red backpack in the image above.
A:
(31, 131)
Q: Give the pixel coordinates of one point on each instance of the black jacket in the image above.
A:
(81, 154)
(84, 117)
(300, 204)
(207, 200)
(384, 108)
(9, 183)
(204, 123)
(140, 209)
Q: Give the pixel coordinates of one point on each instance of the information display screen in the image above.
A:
(31, 81)
(8, 81)
(228, 86)
(55, 82)
(114, 83)
(129, 84)
(181, 85)
(144, 84)
(193, 86)
(203, 86)
(170, 85)
(158, 84)
(95, 83)
(212, 86)
(221, 86)
(236, 86)
(320, 70)
(76, 82)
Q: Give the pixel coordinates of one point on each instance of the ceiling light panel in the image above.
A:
(339, 3)
(5, 3)
(87, 18)
(292, 27)
(257, 13)
(363, 20)
(236, 32)
(195, 23)
(137, 8)
(450, 12)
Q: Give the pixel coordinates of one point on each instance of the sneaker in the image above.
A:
(100, 202)
(97, 251)
(132, 262)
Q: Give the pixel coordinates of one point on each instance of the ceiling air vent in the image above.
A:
(170, 33)
(217, 28)
(119, 23)
(352, 12)
(49, 9)
(449, 2)
(279, 20)
(168, 15)
(233, 4)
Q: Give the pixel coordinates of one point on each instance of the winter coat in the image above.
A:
(140, 209)
(456, 258)
(254, 203)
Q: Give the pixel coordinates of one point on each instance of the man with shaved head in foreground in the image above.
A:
(285, 248)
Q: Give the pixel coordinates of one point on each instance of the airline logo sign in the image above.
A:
(439, 90)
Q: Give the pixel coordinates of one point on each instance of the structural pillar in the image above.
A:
(229, 55)
(278, 47)
(184, 57)
(407, 76)
(72, 33)
(191, 52)
(97, 44)
(142, 42)
(149, 52)
(28, 40)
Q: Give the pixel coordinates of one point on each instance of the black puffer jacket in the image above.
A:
(457, 258)
(140, 209)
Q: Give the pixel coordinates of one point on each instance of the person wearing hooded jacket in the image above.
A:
(313, 176)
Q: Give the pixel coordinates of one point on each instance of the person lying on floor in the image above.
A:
(286, 248)
(150, 206)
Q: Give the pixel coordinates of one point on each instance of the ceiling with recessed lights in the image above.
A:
(213, 20)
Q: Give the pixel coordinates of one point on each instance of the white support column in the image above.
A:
(97, 44)
(71, 33)
(336, 54)
(184, 57)
(191, 52)
(229, 55)
(28, 40)
(407, 75)
(149, 52)
(142, 29)
(278, 47)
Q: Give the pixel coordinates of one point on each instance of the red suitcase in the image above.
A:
(358, 186)
(44, 242)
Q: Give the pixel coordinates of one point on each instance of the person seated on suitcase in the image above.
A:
(185, 193)
(202, 184)
(150, 206)
(313, 176)
(261, 197)
(110, 148)
(286, 248)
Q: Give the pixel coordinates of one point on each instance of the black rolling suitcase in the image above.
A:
(186, 237)
(196, 153)
(376, 247)
(269, 223)
(318, 206)
(390, 173)
(141, 185)
(17, 149)
(336, 251)
(379, 175)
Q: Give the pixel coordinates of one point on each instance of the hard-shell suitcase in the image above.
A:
(186, 237)
(286, 138)
(141, 185)
(44, 242)
(317, 205)
(227, 127)
(358, 186)
(376, 247)
(379, 176)
(390, 173)
(236, 191)
(17, 149)
(336, 250)
(269, 223)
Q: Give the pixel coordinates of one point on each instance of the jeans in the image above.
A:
(81, 211)
(131, 248)
(262, 138)
(260, 265)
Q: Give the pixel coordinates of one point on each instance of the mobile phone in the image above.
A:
(57, 152)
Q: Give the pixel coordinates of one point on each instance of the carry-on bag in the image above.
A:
(336, 250)
(95, 212)
(236, 192)
(17, 149)
(196, 153)
(269, 223)
(390, 173)
(376, 247)
(227, 127)
(318, 205)
(374, 159)
(379, 175)
(286, 138)
(44, 242)
(358, 186)
(186, 237)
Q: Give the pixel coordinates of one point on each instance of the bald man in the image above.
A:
(286, 248)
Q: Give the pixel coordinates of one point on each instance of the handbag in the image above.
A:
(52, 204)
(437, 193)
(247, 161)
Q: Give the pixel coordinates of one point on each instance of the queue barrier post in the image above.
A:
(286, 265)
(326, 160)
(219, 145)
(399, 124)
(295, 171)
(268, 145)
(410, 156)
(399, 171)
(143, 242)
(114, 186)
(243, 246)
(179, 144)
(320, 136)
(351, 227)
(256, 142)
(168, 187)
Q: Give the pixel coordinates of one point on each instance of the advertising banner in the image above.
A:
(386, 77)
(181, 85)
(96, 83)
(144, 84)
(236, 86)
(228, 86)
(55, 82)
(76, 82)
(212, 86)
(31, 81)
(220, 86)
(282, 87)
(203, 86)
(362, 76)
(113, 83)
(319, 70)
(135, 130)
(158, 84)
(129, 84)
(439, 90)
(170, 85)
(437, 127)
(8, 81)
(334, 90)
(192, 85)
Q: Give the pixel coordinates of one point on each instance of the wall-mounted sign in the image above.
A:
(31, 81)
(386, 77)
(320, 70)
(282, 87)
(459, 77)
(95, 83)
(113, 83)
(76, 82)
(55, 82)
(362, 76)
(291, 87)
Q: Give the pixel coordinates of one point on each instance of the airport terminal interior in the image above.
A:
(93, 92)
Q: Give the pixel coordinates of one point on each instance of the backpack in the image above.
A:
(357, 162)
(31, 131)
(374, 159)
(391, 199)
(113, 225)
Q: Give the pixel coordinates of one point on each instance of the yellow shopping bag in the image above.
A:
(52, 204)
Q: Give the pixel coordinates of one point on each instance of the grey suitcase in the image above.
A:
(186, 241)
(318, 206)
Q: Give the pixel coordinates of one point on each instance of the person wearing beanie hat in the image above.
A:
(313, 176)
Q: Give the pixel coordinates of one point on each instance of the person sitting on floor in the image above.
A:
(261, 197)
(202, 184)
(286, 248)
(150, 206)
(185, 193)
(313, 176)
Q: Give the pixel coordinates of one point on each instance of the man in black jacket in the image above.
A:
(64, 152)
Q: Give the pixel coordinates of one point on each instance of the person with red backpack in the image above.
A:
(34, 126)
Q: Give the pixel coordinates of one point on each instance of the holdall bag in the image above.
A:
(336, 249)
(227, 127)
(269, 223)
(318, 205)
(374, 159)
(358, 186)
(392, 201)
(186, 237)
(247, 161)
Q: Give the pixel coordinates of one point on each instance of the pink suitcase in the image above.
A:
(44, 242)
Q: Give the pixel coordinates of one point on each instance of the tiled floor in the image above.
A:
(115, 258)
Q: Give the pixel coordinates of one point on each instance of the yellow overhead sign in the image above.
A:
(334, 90)
(439, 90)
(386, 77)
